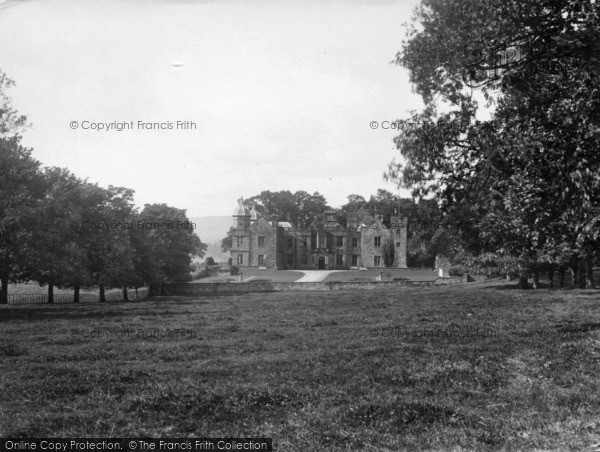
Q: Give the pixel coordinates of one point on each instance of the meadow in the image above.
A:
(256, 274)
(482, 366)
(388, 274)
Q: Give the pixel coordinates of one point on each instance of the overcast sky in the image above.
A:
(282, 94)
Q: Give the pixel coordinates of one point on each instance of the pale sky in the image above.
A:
(282, 93)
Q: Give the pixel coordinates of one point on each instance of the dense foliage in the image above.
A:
(62, 231)
(525, 180)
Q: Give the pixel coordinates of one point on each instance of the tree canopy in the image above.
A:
(59, 230)
(524, 182)
(300, 207)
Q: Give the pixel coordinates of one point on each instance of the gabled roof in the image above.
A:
(260, 222)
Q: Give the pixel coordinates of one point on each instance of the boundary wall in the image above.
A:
(323, 286)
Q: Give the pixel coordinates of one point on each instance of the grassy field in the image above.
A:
(483, 366)
(269, 275)
(425, 274)
(350, 275)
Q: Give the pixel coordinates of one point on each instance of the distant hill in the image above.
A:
(212, 229)
(214, 251)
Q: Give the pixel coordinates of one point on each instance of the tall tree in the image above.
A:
(21, 194)
(108, 244)
(355, 202)
(56, 257)
(301, 207)
(526, 182)
(165, 245)
(11, 122)
(21, 189)
(227, 242)
(309, 207)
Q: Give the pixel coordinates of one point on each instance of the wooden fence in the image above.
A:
(110, 295)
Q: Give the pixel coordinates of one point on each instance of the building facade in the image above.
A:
(325, 244)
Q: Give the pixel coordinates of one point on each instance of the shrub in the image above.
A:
(234, 270)
(489, 264)
(441, 261)
(203, 273)
(224, 270)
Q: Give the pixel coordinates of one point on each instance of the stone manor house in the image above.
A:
(325, 244)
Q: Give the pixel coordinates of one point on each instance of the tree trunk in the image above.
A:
(4, 292)
(125, 294)
(589, 273)
(574, 276)
(50, 293)
(523, 284)
(551, 277)
(561, 276)
(102, 294)
(76, 291)
(136, 293)
(582, 274)
(536, 279)
(152, 289)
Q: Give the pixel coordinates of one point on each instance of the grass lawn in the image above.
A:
(350, 275)
(425, 274)
(359, 370)
(270, 275)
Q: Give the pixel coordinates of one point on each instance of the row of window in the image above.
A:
(377, 243)
(261, 260)
(339, 260)
(261, 241)
(304, 242)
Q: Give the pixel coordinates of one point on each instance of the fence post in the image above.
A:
(50, 293)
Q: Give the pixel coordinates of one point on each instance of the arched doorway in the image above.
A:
(322, 263)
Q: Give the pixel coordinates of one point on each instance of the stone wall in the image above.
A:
(213, 288)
